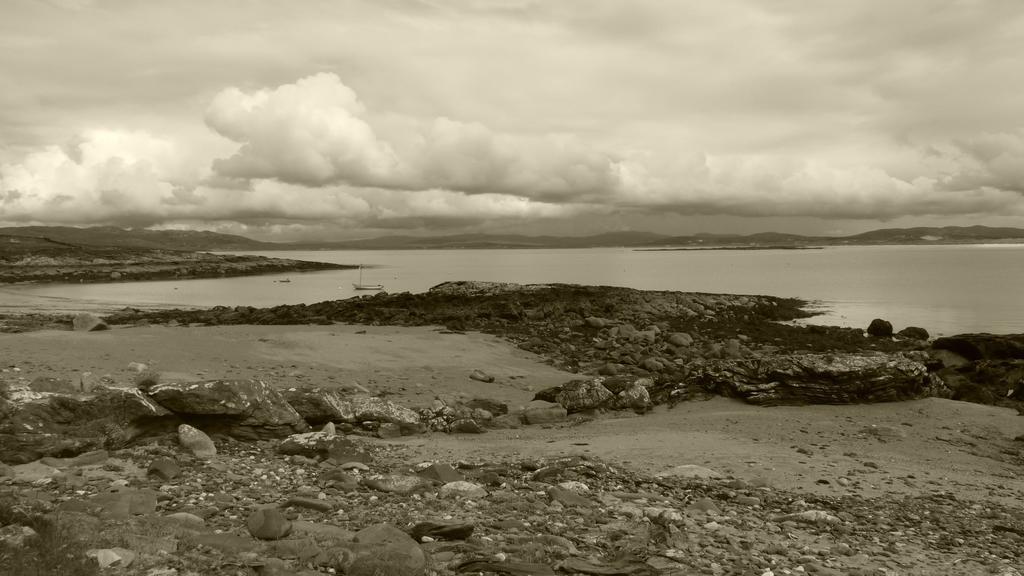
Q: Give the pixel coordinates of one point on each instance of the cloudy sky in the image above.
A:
(348, 118)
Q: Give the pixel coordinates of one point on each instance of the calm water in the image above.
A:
(946, 289)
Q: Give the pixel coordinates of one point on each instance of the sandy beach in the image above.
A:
(925, 445)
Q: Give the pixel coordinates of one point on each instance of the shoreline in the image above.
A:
(852, 488)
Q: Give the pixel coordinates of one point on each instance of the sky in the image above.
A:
(342, 119)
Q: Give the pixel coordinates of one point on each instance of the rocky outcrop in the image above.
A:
(37, 424)
(247, 409)
(814, 379)
(982, 368)
(983, 346)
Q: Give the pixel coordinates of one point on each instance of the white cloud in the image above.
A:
(420, 114)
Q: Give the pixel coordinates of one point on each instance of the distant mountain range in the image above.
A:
(211, 241)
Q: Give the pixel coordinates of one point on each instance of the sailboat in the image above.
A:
(361, 286)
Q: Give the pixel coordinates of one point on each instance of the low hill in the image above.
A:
(191, 240)
(33, 259)
(212, 241)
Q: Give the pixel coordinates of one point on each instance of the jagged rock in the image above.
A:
(316, 405)
(541, 412)
(246, 409)
(983, 346)
(196, 442)
(814, 378)
(441, 473)
(493, 406)
(636, 397)
(85, 322)
(986, 381)
(913, 333)
(880, 328)
(579, 395)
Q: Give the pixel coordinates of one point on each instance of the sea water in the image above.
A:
(945, 289)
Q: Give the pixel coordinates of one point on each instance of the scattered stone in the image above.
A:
(481, 376)
(689, 471)
(15, 535)
(125, 503)
(402, 484)
(268, 523)
(310, 503)
(493, 406)
(463, 489)
(541, 412)
(85, 322)
(442, 530)
(884, 432)
(567, 497)
(187, 518)
(111, 557)
(382, 549)
(680, 339)
(809, 517)
(165, 468)
(196, 442)
(440, 472)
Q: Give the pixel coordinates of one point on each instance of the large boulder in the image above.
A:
(913, 333)
(246, 409)
(814, 378)
(373, 409)
(880, 328)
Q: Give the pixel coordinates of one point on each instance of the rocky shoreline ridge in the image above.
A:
(226, 476)
(40, 260)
